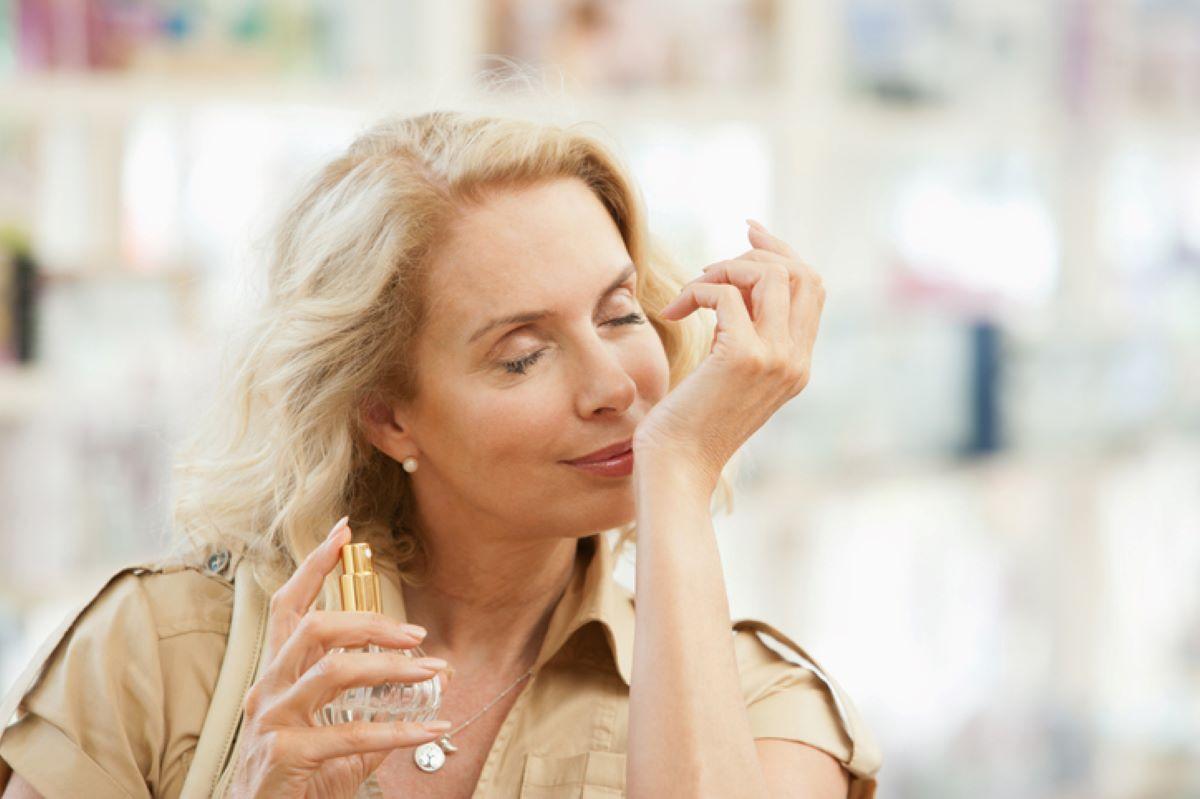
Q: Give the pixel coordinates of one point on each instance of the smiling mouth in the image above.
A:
(617, 465)
(606, 454)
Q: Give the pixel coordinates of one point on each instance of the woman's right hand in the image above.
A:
(285, 752)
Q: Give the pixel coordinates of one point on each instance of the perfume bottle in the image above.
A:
(396, 701)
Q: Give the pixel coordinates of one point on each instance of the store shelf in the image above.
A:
(118, 274)
(120, 94)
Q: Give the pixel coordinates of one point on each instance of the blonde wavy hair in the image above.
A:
(284, 454)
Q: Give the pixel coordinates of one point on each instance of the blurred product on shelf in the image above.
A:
(626, 44)
(922, 51)
(18, 298)
(600, 43)
(312, 37)
(912, 52)
(931, 51)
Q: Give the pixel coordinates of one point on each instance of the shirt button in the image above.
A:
(218, 561)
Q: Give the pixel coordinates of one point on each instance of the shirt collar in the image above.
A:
(592, 597)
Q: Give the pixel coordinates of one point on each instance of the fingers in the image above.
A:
(761, 237)
(807, 319)
(769, 289)
(733, 318)
(373, 760)
(806, 288)
(339, 671)
(293, 598)
(759, 254)
(311, 746)
(322, 630)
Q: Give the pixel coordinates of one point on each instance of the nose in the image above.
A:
(606, 386)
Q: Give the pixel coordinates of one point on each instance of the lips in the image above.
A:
(606, 453)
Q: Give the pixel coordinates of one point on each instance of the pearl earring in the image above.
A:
(410, 465)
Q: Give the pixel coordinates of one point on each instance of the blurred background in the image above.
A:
(983, 513)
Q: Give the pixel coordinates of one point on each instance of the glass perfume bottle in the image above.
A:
(418, 701)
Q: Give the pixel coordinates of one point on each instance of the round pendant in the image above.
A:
(429, 756)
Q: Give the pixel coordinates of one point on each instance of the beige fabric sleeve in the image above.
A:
(795, 699)
(119, 701)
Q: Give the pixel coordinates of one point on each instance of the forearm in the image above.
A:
(689, 734)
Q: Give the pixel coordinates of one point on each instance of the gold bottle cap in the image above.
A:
(360, 583)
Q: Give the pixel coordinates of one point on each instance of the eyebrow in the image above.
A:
(533, 316)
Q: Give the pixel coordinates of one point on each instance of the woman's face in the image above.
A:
(501, 402)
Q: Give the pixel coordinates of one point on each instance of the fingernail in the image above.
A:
(440, 725)
(416, 630)
(756, 224)
(333, 533)
(436, 664)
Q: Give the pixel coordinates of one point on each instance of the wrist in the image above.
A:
(676, 469)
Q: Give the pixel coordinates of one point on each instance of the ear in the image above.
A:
(386, 431)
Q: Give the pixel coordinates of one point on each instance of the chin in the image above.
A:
(616, 514)
(591, 515)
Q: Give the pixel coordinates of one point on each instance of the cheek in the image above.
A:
(649, 368)
(505, 426)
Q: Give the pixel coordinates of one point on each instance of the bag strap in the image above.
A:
(211, 764)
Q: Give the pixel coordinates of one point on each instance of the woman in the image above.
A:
(461, 313)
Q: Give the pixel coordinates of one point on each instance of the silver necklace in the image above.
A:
(431, 756)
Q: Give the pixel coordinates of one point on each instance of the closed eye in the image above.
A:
(628, 319)
(519, 366)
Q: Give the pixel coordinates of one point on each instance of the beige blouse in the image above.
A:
(113, 704)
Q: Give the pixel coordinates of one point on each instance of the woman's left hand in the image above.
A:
(768, 304)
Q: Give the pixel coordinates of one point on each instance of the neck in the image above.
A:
(488, 603)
